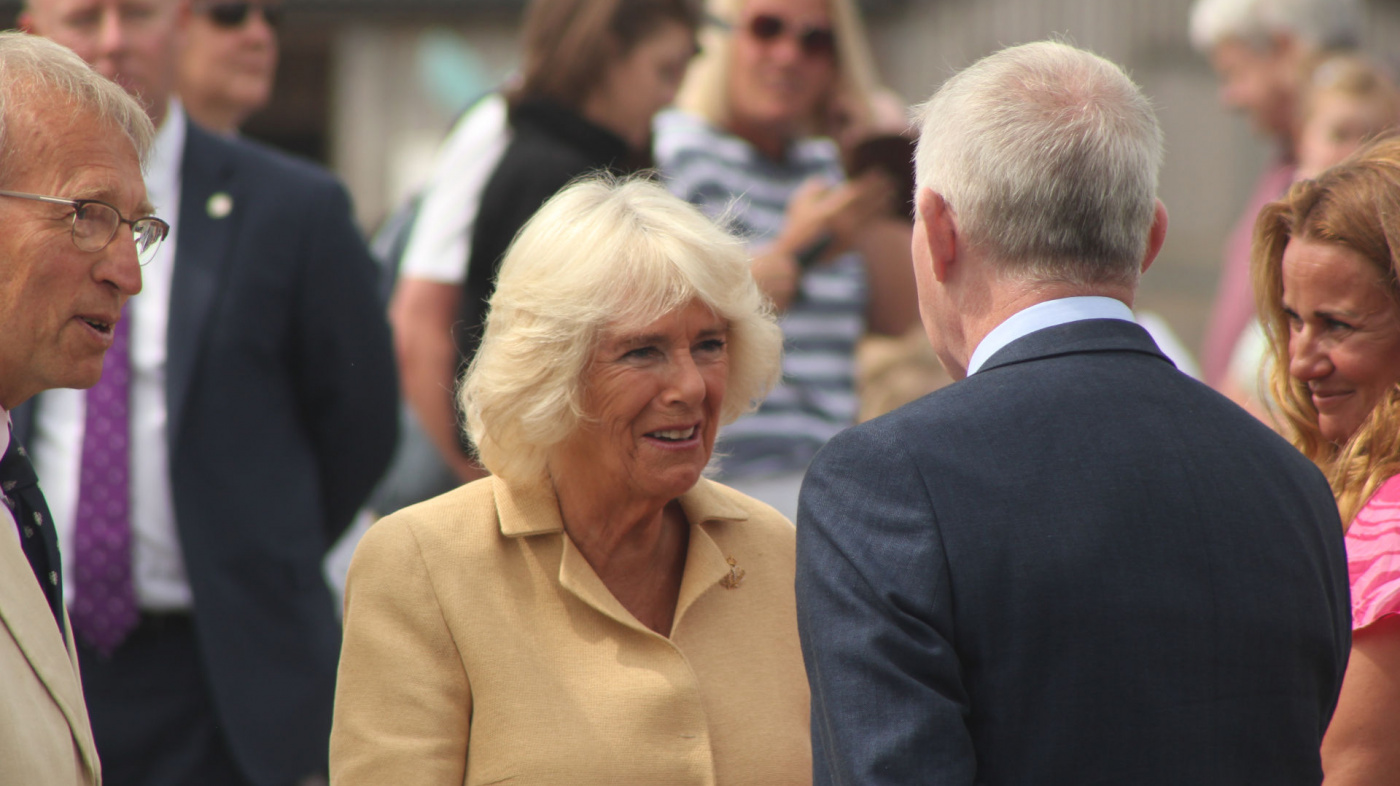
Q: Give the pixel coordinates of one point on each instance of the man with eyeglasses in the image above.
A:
(257, 411)
(228, 61)
(77, 225)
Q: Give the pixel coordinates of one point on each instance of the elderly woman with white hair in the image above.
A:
(596, 611)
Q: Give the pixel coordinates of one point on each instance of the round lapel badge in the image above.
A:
(220, 205)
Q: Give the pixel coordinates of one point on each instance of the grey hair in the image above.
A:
(1048, 157)
(1318, 24)
(33, 68)
(603, 255)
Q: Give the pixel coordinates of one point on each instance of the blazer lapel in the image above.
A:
(209, 212)
(26, 615)
(1086, 335)
(530, 511)
(533, 510)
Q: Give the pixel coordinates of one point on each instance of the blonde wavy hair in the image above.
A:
(601, 255)
(1355, 204)
(705, 91)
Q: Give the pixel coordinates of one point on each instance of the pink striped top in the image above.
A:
(1373, 556)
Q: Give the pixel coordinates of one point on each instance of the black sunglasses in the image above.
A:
(234, 14)
(813, 41)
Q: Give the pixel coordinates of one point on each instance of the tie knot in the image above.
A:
(15, 470)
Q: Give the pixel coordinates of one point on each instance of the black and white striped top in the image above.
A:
(731, 181)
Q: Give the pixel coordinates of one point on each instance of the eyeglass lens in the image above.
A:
(95, 224)
(148, 234)
(814, 41)
(234, 14)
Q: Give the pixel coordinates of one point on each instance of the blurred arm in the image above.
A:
(894, 305)
(1361, 746)
(422, 313)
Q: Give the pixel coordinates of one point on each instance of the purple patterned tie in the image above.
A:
(103, 608)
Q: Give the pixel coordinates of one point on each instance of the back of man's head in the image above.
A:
(37, 72)
(1048, 157)
(1316, 24)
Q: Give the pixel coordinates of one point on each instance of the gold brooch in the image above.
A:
(735, 575)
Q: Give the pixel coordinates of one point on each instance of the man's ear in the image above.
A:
(1156, 236)
(936, 222)
(25, 21)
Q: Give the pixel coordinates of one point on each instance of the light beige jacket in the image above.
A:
(45, 737)
(480, 647)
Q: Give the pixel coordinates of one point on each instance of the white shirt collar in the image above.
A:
(1043, 315)
(163, 165)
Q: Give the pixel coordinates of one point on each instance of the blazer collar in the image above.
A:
(532, 509)
(1088, 335)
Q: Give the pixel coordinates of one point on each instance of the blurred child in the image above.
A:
(1349, 101)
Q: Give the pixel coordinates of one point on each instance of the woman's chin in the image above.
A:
(674, 482)
(1337, 429)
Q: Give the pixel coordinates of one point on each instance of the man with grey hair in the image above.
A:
(256, 408)
(77, 227)
(1261, 51)
(1076, 564)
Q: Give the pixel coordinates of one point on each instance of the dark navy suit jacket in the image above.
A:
(1077, 566)
(282, 398)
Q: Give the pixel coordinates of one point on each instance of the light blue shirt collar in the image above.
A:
(1044, 315)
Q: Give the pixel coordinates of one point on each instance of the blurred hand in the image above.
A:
(841, 212)
(859, 203)
(833, 217)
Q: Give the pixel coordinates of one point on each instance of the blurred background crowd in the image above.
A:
(370, 88)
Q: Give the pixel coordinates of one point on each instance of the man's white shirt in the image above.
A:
(57, 444)
(1045, 315)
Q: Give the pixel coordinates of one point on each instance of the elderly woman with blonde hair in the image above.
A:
(1326, 265)
(596, 611)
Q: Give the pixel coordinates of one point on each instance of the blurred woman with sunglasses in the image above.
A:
(229, 61)
(777, 82)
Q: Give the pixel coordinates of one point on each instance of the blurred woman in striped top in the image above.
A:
(779, 84)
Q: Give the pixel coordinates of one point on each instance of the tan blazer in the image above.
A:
(44, 733)
(480, 647)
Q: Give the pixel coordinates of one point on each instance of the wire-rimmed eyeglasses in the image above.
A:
(95, 223)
